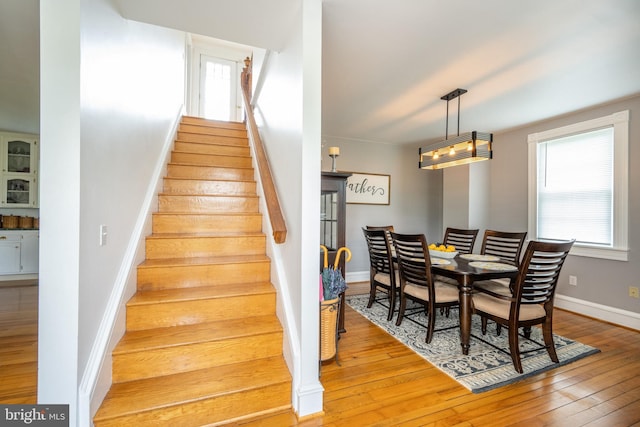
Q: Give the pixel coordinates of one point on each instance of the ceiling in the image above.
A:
(386, 64)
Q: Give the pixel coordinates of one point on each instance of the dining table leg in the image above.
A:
(465, 289)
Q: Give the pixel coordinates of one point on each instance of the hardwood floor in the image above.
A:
(382, 383)
(18, 343)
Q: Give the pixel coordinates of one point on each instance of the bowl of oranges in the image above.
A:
(440, 250)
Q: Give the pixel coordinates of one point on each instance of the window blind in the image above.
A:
(575, 187)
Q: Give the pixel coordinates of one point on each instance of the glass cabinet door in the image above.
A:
(18, 191)
(19, 155)
(329, 220)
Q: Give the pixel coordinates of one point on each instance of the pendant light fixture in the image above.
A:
(463, 149)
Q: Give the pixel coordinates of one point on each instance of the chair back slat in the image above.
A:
(388, 229)
(462, 239)
(540, 270)
(412, 255)
(505, 245)
(379, 251)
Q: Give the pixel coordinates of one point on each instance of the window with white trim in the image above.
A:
(578, 186)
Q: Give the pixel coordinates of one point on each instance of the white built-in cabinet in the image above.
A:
(19, 251)
(19, 173)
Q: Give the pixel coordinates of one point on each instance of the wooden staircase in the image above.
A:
(203, 345)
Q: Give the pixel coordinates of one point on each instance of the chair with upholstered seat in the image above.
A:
(462, 239)
(503, 244)
(382, 272)
(416, 281)
(507, 246)
(532, 300)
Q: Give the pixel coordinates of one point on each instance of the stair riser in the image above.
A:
(207, 204)
(176, 223)
(216, 149)
(190, 120)
(156, 278)
(213, 139)
(149, 316)
(163, 248)
(209, 172)
(210, 412)
(211, 160)
(207, 130)
(189, 186)
(173, 360)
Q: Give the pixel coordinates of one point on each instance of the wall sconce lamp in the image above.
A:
(467, 148)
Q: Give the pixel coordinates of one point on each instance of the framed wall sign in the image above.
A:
(368, 189)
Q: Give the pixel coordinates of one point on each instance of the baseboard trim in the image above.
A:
(357, 276)
(309, 399)
(613, 315)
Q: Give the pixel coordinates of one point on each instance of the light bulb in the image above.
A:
(452, 151)
(469, 146)
(436, 155)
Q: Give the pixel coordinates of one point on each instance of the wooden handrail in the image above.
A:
(268, 187)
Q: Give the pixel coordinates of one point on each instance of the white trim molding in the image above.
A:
(620, 123)
(605, 313)
(357, 276)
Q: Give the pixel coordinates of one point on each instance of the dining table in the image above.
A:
(466, 269)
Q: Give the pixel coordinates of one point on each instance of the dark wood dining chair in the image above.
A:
(508, 247)
(383, 275)
(387, 228)
(532, 300)
(417, 282)
(462, 239)
(503, 244)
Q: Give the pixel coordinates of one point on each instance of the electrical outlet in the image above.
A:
(573, 280)
(633, 292)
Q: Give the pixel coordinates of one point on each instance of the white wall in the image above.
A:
(288, 112)
(59, 203)
(111, 91)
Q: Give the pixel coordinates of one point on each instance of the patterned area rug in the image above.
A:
(488, 364)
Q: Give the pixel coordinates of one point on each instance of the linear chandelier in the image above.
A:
(463, 149)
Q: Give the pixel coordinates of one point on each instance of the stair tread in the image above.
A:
(148, 339)
(208, 234)
(211, 154)
(208, 166)
(179, 178)
(227, 124)
(215, 140)
(160, 392)
(179, 262)
(244, 196)
(144, 297)
(212, 214)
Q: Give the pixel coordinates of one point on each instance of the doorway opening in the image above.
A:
(215, 67)
(218, 94)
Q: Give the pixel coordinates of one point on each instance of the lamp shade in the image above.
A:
(460, 150)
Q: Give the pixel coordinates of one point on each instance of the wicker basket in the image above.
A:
(328, 328)
(10, 221)
(26, 222)
(36, 223)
